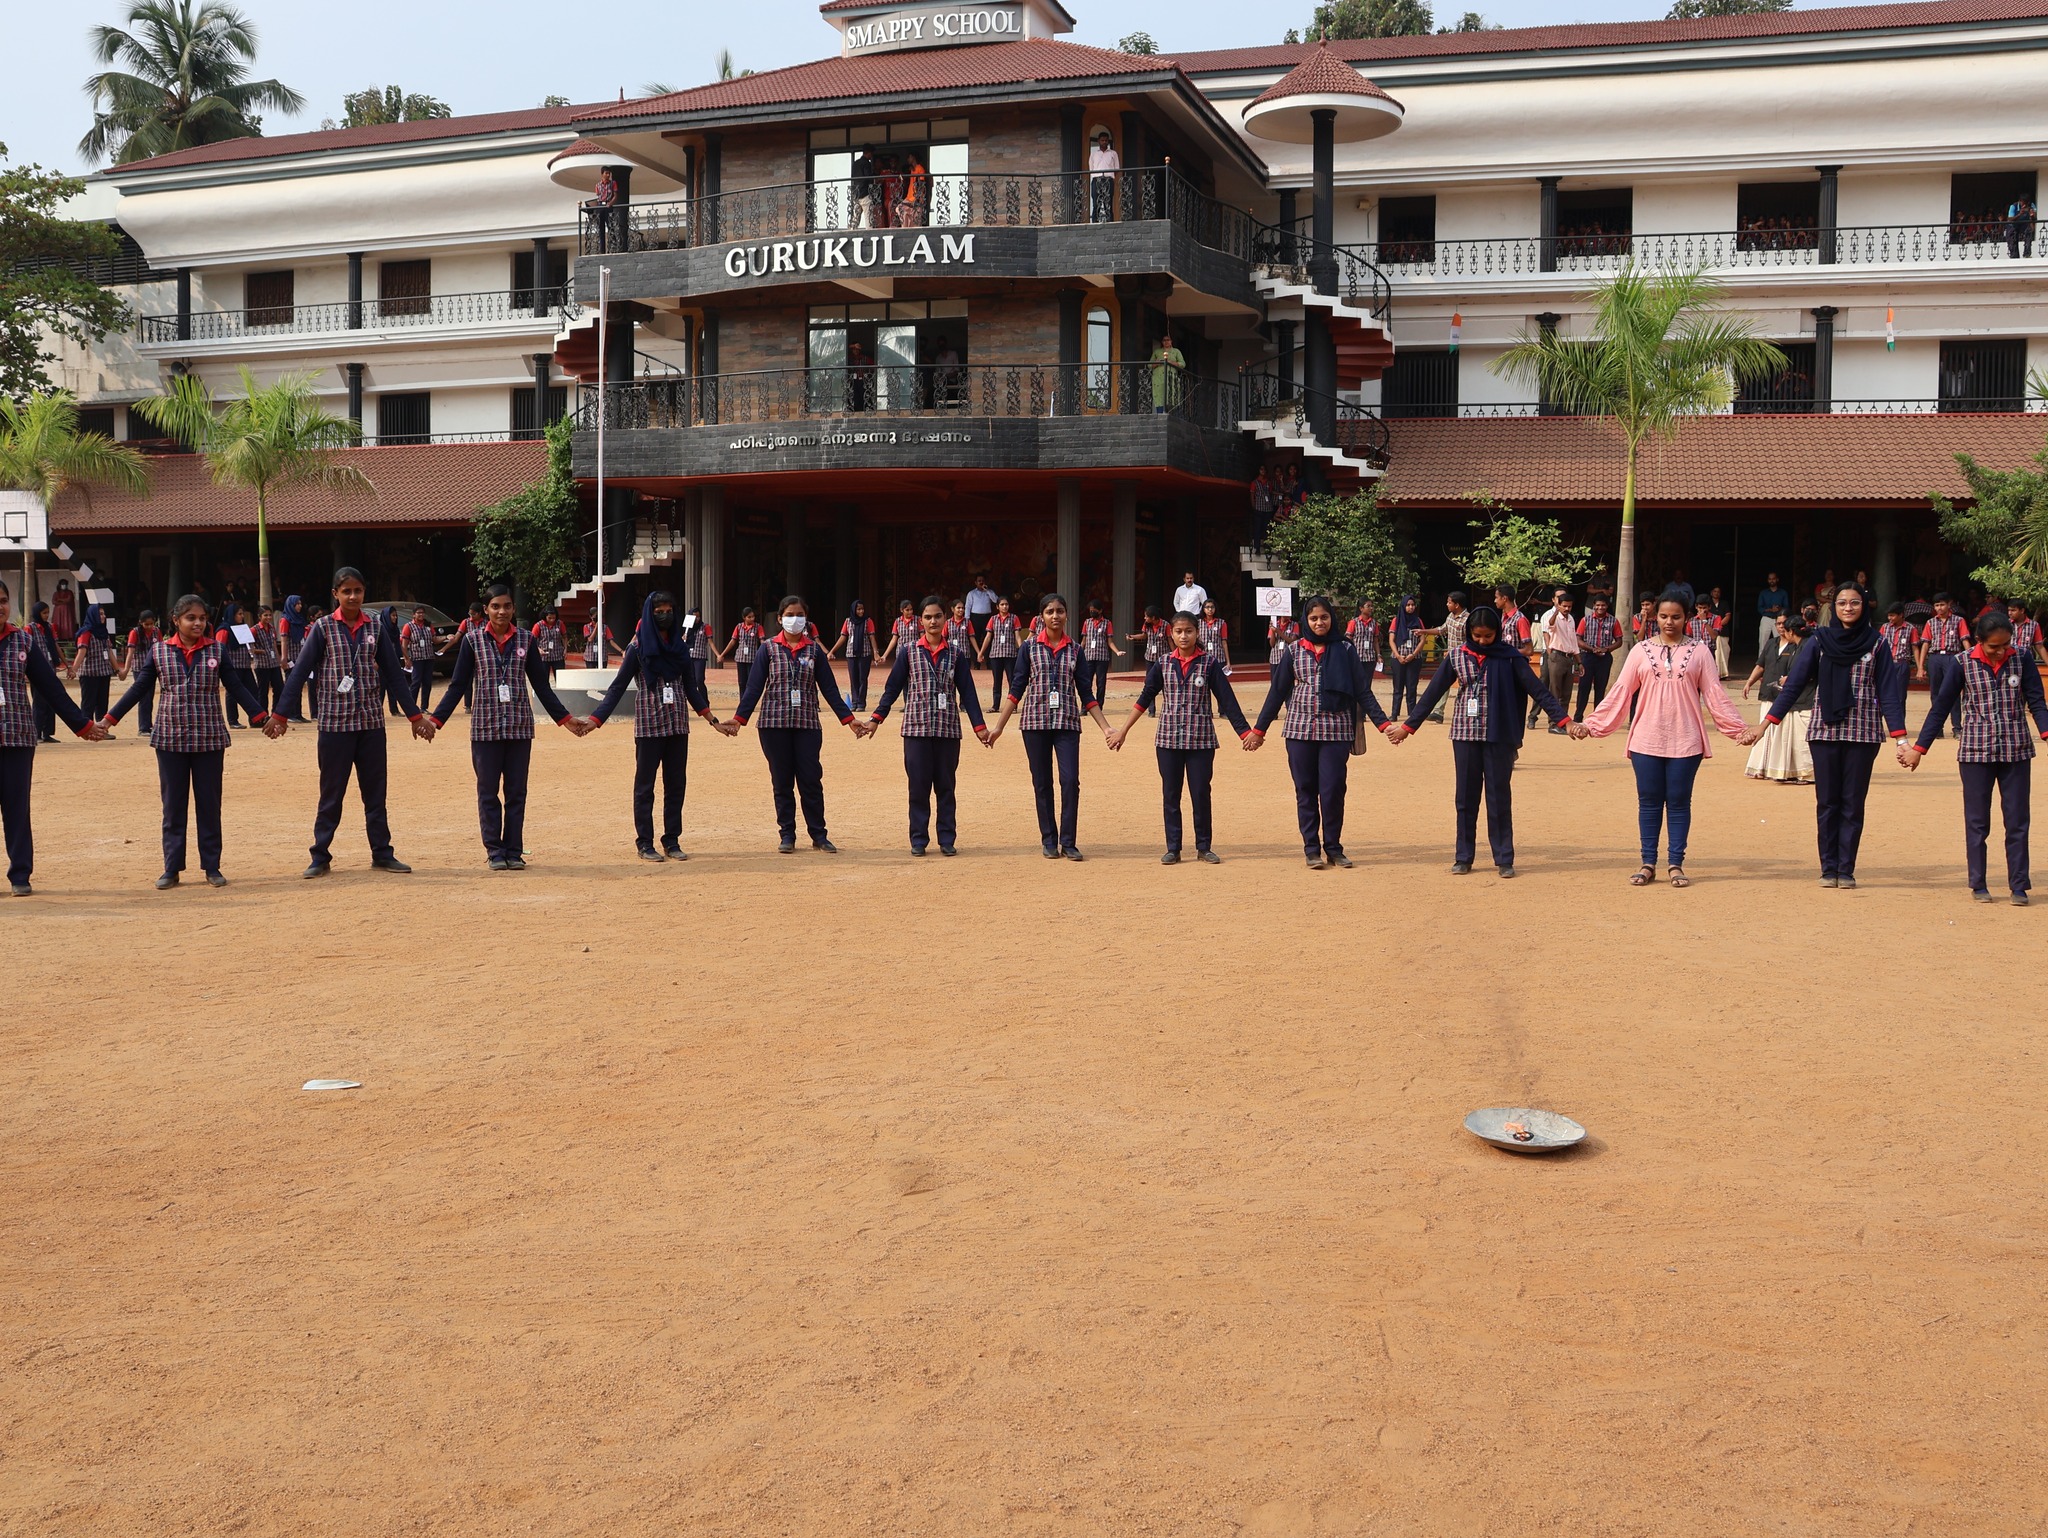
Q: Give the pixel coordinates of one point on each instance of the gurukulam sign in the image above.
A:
(936, 26)
(827, 252)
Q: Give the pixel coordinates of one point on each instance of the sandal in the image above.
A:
(1679, 877)
(1644, 876)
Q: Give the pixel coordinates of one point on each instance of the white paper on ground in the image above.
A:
(331, 1084)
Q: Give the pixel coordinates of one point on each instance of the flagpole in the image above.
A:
(604, 288)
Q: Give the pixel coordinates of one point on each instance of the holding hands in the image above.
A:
(1909, 756)
(1397, 733)
(424, 728)
(275, 727)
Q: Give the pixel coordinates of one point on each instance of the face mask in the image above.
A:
(664, 619)
(794, 624)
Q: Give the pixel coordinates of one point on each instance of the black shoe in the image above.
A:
(1052, 851)
(1208, 857)
(1847, 883)
(1171, 857)
(391, 862)
(169, 879)
(1315, 862)
(1985, 897)
(1339, 859)
(499, 862)
(1071, 853)
(317, 868)
(824, 846)
(515, 862)
(1461, 868)
(215, 878)
(787, 846)
(948, 850)
(2019, 899)
(673, 852)
(647, 852)
(918, 850)
(1505, 872)
(1830, 881)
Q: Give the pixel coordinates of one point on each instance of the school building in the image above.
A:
(965, 297)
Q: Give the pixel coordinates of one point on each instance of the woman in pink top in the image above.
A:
(1667, 679)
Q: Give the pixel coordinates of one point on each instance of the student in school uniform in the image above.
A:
(857, 637)
(1494, 681)
(790, 676)
(185, 678)
(92, 662)
(234, 653)
(2000, 687)
(960, 632)
(1281, 630)
(551, 640)
(1900, 634)
(1451, 636)
(1664, 684)
(593, 654)
(2026, 631)
(1362, 630)
(1703, 627)
(1942, 642)
(1185, 682)
(1098, 645)
(935, 685)
(1599, 640)
(670, 688)
(1405, 632)
(264, 654)
(903, 630)
(1643, 623)
(291, 635)
(140, 640)
(352, 662)
(418, 644)
(744, 645)
(1514, 624)
(1215, 635)
(1324, 690)
(999, 648)
(26, 675)
(1862, 693)
(493, 667)
(1054, 693)
(699, 642)
(44, 639)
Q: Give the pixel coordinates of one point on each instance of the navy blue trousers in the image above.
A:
(1041, 749)
(1939, 665)
(932, 765)
(2014, 782)
(1407, 686)
(670, 757)
(192, 779)
(1320, 771)
(1841, 784)
(92, 695)
(17, 771)
(1599, 668)
(795, 774)
(339, 755)
(1485, 768)
(856, 680)
(1197, 767)
(501, 769)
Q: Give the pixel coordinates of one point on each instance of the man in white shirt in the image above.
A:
(981, 603)
(1189, 597)
(1560, 641)
(1103, 164)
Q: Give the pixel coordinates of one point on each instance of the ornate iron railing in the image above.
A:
(358, 315)
(1971, 405)
(1292, 252)
(1360, 433)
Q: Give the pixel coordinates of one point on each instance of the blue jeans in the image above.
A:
(1664, 797)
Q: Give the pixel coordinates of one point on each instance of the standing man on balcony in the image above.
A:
(1103, 165)
(2019, 227)
(1169, 373)
(604, 197)
(1771, 605)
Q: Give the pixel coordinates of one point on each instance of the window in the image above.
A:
(1420, 384)
(554, 280)
(403, 287)
(267, 298)
(1983, 376)
(1595, 224)
(1977, 204)
(1408, 229)
(1099, 339)
(523, 424)
(905, 356)
(1777, 216)
(406, 418)
(96, 419)
(1790, 391)
(861, 178)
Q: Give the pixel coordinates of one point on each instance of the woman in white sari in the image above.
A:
(1781, 753)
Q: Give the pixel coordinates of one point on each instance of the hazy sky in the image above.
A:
(508, 54)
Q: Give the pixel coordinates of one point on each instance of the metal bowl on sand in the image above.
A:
(1522, 1129)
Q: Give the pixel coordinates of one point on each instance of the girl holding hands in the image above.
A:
(1184, 682)
(1054, 692)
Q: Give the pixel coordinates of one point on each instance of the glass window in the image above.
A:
(267, 296)
(403, 287)
(831, 195)
(951, 201)
(406, 418)
(1101, 335)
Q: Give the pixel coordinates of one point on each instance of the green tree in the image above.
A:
(42, 450)
(1527, 556)
(2005, 526)
(46, 283)
(269, 438)
(389, 104)
(531, 538)
(1137, 42)
(1472, 21)
(186, 81)
(554, 101)
(1662, 350)
(727, 70)
(1339, 20)
(1344, 546)
(1694, 10)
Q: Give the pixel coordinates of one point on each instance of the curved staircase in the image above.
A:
(654, 545)
(1365, 347)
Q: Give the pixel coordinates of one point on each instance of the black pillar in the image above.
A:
(619, 322)
(845, 563)
(714, 174)
(1824, 357)
(1073, 163)
(543, 367)
(541, 297)
(1070, 353)
(1283, 340)
(355, 291)
(354, 371)
(1290, 253)
(1546, 324)
(184, 307)
(1319, 351)
(705, 361)
(1546, 223)
(1140, 200)
(793, 555)
(1830, 189)
(1133, 350)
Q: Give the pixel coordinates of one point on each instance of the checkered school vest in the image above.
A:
(1453, 631)
(860, 642)
(789, 673)
(139, 643)
(1465, 726)
(1700, 629)
(960, 636)
(1213, 632)
(496, 716)
(188, 714)
(905, 630)
(700, 641)
(1094, 640)
(263, 650)
(1863, 723)
(1597, 632)
(1994, 713)
(1307, 721)
(95, 655)
(655, 715)
(1184, 722)
(348, 656)
(289, 645)
(549, 640)
(746, 640)
(1049, 702)
(419, 642)
(1364, 640)
(1002, 636)
(1157, 642)
(234, 652)
(931, 701)
(2026, 635)
(1945, 635)
(17, 711)
(1901, 638)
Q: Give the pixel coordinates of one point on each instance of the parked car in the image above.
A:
(444, 627)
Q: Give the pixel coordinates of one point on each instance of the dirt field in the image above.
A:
(806, 1195)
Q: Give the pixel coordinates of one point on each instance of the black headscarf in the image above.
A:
(1343, 677)
(1841, 649)
(1502, 704)
(663, 653)
(1407, 621)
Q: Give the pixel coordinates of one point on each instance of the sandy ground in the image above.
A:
(803, 1195)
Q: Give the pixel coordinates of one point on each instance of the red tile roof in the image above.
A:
(327, 140)
(416, 484)
(1322, 73)
(1839, 460)
(1627, 34)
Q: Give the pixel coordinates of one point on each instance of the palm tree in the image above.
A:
(1662, 350)
(272, 437)
(42, 450)
(187, 81)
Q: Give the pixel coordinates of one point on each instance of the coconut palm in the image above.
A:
(42, 450)
(1662, 350)
(186, 81)
(269, 438)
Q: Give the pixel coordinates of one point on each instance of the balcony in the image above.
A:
(288, 323)
(1962, 405)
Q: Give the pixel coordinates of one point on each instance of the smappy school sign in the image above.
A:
(932, 26)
